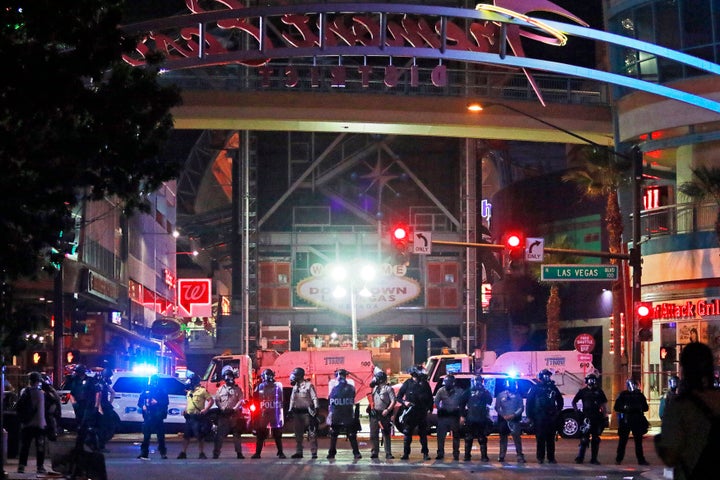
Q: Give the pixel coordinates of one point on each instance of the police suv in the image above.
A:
(128, 386)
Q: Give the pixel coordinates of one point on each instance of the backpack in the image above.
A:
(706, 465)
(24, 408)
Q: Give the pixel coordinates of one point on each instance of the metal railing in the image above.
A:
(678, 219)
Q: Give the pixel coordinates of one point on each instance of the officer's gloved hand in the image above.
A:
(289, 415)
(312, 412)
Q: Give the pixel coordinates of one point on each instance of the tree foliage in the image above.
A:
(77, 122)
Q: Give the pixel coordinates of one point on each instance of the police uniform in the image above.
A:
(417, 396)
(509, 404)
(630, 406)
(229, 399)
(448, 400)
(269, 395)
(342, 417)
(594, 402)
(383, 401)
(477, 421)
(544, 404)
(303, 402)
(153, 403)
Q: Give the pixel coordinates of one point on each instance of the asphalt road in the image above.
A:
(121, 462)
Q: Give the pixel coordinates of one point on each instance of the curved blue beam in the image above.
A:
(431, 53)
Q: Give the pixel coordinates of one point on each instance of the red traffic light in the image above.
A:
(515, 245)
(400, 235)
(644, 316)
(513, 241)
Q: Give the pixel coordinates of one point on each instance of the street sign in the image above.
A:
(579, 273)
(534, 249)
(422, 243)
(585, 358)
(585, 343)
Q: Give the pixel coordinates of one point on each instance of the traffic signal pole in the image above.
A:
(579, 253)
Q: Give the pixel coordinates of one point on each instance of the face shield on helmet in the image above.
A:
(380, 377)
(591, 380)
(341, 375)
(154, 380)
(297, 375)
(673, 382)
(107, 374)
(80, 369)
(268, 375)
(631, 385)
(544, 375)
(191, 381)
(511, 384)
(449, 381)
(477, 383)
(228, 374)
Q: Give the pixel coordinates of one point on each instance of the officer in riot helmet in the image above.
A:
(475, 417)
(304, 404)
(269, 395)
(509, 407)
(197, 423)
(594, 417)
(85, 393)
(544, 404)
(448, 400)
(380, 410)
(153, 403)
(670, 394)
(343, 416)
(416, 399)
(631, 406)
(229, 399)
(108, 420)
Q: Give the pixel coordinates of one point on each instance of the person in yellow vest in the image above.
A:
(197, 423)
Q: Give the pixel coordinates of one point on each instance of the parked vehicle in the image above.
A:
(128, 386)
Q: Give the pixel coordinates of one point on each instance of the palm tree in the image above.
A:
(705, 185)
(600, 174)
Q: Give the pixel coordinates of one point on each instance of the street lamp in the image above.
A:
(634, 257)
(339, 273)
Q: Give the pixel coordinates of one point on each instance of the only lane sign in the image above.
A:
(579, 273)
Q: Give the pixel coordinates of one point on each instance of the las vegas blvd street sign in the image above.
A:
(579, 273)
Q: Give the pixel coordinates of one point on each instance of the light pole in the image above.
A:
(339, 273)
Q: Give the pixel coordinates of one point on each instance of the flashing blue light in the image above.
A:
(145, 368)
(513, 373)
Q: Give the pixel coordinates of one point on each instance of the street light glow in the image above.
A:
(367, 272)
(338, 272)
(339, 291)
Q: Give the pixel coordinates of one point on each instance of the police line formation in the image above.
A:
(462, 413)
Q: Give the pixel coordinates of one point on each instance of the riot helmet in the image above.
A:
(80, 369)
(380, 377)
(544, 375)
(449, 381)
(107, 374)
(413, 371)
(422, 374)
(673, 382)
(477, 383)
(631, 385)
(191, 381)
(591, 380)
(153, 381)
(268, 375)
(341, 375)
(297, 375)
(34, 377)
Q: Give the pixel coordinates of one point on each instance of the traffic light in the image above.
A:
(668, 357)
(38, 358)
(399, 238)
(72, 357)
(515, 245)
(644, 316)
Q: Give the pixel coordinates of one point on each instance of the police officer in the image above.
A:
(475, 417)
(670, 394)
(269, 395)
(342, 416)
(197, 422)
(229, 399)
(630, 406)
(594, 411)
(303, 408)
(85, 402)
(509, 407)
(448, 399)
(153, 403)
(108, 419)
(544, 404)
(382, 404)
(415, 395)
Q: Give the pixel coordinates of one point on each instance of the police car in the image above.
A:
(128, 386)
